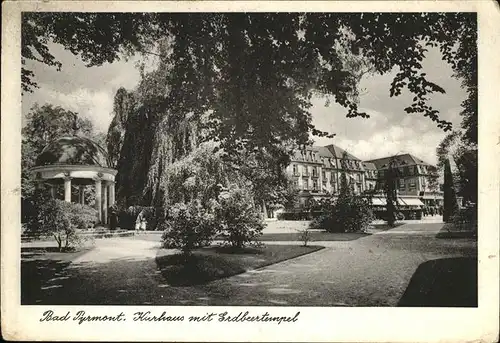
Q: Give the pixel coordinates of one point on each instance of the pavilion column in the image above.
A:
(52, 191)
(98, 207)
(81, 195)
(67, 189)
(111, 193)
(105, 203)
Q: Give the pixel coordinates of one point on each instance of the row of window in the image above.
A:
(407, 171)
(315, 173)
(333, 163)
(358, 186)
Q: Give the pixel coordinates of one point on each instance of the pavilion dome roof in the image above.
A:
(73, 150)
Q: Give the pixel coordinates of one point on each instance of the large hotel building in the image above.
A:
(316, 173)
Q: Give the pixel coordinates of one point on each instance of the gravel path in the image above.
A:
(373, 270)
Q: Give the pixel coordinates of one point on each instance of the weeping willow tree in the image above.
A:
(147, 142)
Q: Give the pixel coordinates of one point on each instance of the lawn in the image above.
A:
(40, 265)
(217, 262)
(446, 282)
(315, 236)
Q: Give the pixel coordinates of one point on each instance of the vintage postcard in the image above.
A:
(250, 171)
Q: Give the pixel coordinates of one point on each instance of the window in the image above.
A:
(315, 171)
(401, 183)
(323, 175)
(358, 177)
(333, 178)
(304, 170)
(413, 184)
(315, 185)
(381, 173)
(305, 185)
(295, 169)
(370, 186)
(296, 184)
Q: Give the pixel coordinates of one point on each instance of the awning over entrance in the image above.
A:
(413, 201)
(379, 201)
(401, 202)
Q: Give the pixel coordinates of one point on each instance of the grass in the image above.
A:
(447, 282)
(213, 263)
(451, 230)
(314, 236)
(39, 265)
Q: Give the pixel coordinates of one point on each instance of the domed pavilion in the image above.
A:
(78, 161)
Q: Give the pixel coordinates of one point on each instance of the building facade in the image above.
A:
(316, 173)
(414, 178)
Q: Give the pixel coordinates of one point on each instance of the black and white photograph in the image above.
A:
(232, 159)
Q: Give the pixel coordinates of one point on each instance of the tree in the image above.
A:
(347, 213)
(43, 125)
(433, 178)
(247, 66)
(391, 195)
(450, 207)
(253, 74)
(60, 219)
(457, 147)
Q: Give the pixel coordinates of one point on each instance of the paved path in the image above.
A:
(371, 271)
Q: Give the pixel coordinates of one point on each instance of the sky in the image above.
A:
(388, 131)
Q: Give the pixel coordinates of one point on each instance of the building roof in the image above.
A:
(326, 155)
(341, 153)
(401, 160)
(369, 166)
(73, 151)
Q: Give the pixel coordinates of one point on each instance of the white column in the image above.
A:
(53, 191)
(98, 199)
(112, 193)
(105, 203)
(67, 189)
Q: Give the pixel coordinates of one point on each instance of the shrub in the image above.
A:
(349, 213)
(305, 236)
(353, 215)
(320, 222)
(188, 226)
(62, 220)
(299, 215)
(239, 222)
(465, 219)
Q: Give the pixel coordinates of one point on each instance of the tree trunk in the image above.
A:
(264, 209)
(59, 242)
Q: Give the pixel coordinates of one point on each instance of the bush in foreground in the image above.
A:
(188, 226)
(349, 213)
(62, 220)
(238, 221)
